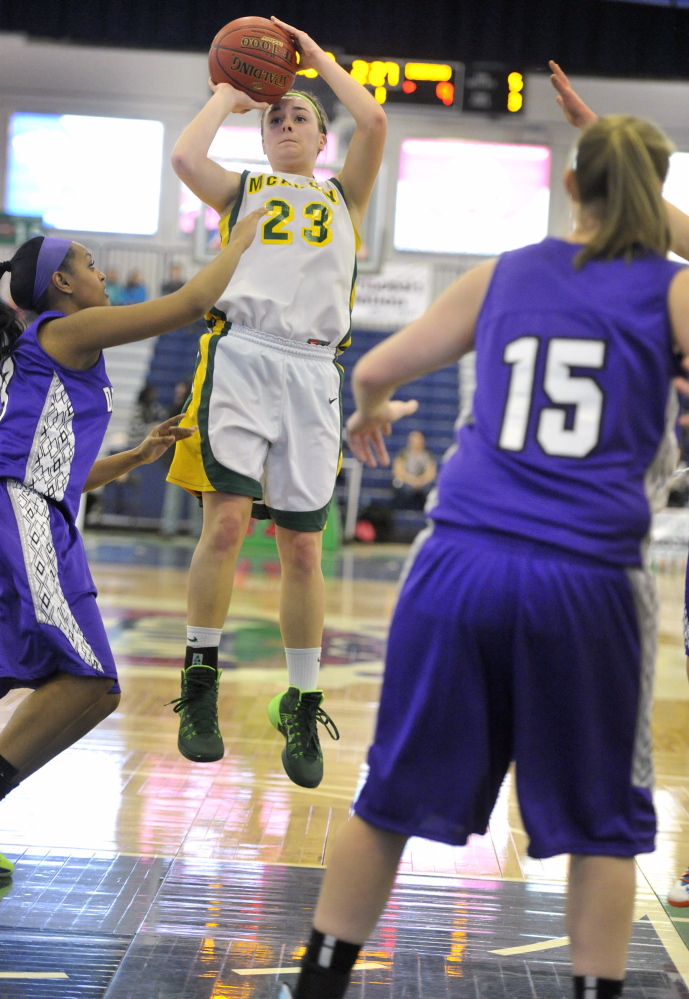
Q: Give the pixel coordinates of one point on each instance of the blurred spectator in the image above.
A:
(147, 414)
(174, 282)
(181, 393)
(135, 290)
(113, 286)
(414, 470)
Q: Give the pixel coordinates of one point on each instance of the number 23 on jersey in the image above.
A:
(277, 228)
(579, 395)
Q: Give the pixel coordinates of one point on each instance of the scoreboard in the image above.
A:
(489, 88)
(400, 81)
(485, 88)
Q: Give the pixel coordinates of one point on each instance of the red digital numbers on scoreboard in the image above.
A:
(483, 88)
(400, 81)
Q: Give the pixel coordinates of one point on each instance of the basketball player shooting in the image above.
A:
(580, 115)
(266, 394)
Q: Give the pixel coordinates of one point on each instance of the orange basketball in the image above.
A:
(254, 55)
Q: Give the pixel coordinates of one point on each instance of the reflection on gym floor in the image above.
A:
(140, 874)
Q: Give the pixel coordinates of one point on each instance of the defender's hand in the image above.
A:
(244, 231)
(161, 438)
(365, 434)
(576, 112)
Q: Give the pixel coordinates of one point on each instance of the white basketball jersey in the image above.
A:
(296, 280)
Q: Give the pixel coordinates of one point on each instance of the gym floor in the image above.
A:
(141, 876)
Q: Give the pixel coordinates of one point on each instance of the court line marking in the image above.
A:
(527, 948)
(33, 974)
(679, 919)
(564, 941)
(664, 926)
(362, 966)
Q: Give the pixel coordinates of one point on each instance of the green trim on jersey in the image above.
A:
(347, 338)
(212, 316)
(225, 233)
(338, 185)
(223, 479)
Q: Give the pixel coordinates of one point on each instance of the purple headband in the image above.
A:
(53, 251)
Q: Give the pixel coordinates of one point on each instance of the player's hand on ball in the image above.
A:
(308, 50)
(161, 438)
(576, 112)
(238, 102)
(244, 231)
(365, 434)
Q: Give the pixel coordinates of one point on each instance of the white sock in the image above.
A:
(203, 638)
(302, 668)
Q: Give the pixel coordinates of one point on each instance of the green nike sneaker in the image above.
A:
(6, 867)
(296, 715)
(199, 736)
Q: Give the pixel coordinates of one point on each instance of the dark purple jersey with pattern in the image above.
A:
(574, 372)
(52, 420)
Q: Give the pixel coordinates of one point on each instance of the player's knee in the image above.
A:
(227, 530)
(101, 686)
(93, 690)
(110, 703)
(303, 553)
(103, 707)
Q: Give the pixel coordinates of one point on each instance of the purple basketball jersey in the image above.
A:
(573, 373)
(52, 420)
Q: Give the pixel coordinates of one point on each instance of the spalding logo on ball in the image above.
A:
(255, 56)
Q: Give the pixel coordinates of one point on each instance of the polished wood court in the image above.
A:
(126, 790)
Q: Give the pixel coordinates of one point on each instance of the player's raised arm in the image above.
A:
(679, 230)
(78, 289)
(438, 338)
(581, 116)
(210, 182)
(365, 151)
(154, 445)
(574, 109)
(678, 309)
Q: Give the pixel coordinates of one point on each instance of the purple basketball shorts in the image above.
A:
(506, 650)
(49, 619)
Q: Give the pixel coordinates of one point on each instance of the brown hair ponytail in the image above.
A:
(621, 165)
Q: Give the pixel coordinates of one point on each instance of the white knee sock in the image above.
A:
(302, 668)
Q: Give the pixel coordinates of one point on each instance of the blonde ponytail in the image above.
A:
(621, 165)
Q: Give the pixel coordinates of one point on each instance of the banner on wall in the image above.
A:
(399, 293)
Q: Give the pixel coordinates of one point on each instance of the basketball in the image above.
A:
(255, 56)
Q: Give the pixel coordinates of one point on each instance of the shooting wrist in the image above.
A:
(319, 59)
(223, 102)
